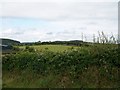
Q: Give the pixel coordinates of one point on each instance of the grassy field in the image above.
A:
(48, 66)
(54, 48)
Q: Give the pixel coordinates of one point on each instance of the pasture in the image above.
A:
(53, 48)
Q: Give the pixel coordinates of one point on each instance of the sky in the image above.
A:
(57, 20)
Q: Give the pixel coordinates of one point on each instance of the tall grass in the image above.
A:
(102, 38)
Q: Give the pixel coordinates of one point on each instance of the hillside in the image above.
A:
(71, 42)
(9, 41)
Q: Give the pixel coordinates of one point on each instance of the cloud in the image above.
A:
(59, 21)
(60, 11)
(27, 35)
(59, 1)
(12, 32)
(49, 33)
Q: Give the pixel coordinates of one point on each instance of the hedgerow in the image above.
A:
(73, 60)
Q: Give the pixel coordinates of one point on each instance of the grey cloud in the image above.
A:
(82, 28)
(58, 1)
(66, 32)
(60, 11)
(49, 33)
(18, 33)
(92, 23)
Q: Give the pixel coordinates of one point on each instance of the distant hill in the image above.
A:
(9, 42)
(71, 42)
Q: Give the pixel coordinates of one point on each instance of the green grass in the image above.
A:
(90, 78)
(53, 48)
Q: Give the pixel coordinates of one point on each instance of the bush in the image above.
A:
(72, 60)
(16, 48)
(30, 49)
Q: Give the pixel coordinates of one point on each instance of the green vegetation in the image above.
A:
(53, 48)
(93, 66)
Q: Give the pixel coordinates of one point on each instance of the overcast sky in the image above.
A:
(65, 20)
